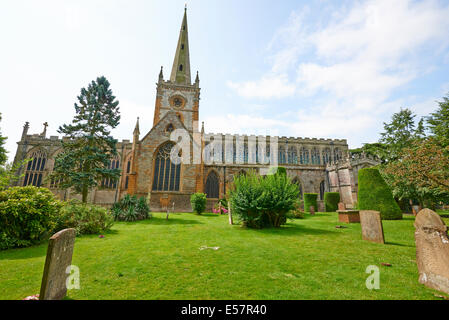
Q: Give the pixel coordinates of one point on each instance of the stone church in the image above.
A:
(209, 161)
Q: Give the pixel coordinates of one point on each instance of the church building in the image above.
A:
(209, 161)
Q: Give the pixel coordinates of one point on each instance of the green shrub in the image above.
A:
(131, 208)
(297, 212)
(198, 202)
(374, 194)
(331, 200)
(263, 201)
(27, 216)
(84, 218)
(310, 199)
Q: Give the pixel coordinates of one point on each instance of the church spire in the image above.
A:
(180, 72)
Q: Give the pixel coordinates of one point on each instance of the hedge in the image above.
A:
(331, 200)
(27, 216)
(374, 194)
(310, 199)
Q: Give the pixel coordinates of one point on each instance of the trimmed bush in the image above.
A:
(310, 199)
(198, 202)
(263, 201)
(84, 218)
(131, 208)
(27, 216)
(331, 200)
(374, 194)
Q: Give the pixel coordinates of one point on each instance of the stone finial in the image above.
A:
(44, 133)
(161, 75)
(136, 128)
(25, 130)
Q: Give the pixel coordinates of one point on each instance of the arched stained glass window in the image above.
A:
(110, 183)
(292, 155)
(337, 154)
(166, 173)
(281, 155)
(304, 155)
(35, 169)
(212, 186)
(315, 156)
(326, 156)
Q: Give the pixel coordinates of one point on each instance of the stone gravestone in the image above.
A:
(312, 210)
(59, 257)
(432, 250)
(371, 223)
(341, 206)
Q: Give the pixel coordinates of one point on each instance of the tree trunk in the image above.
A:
(85, 192)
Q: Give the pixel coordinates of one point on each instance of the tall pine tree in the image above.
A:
(439, 122)
(88, 146)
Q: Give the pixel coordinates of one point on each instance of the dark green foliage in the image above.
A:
(131, 208)
(84, 218)
(277, 170)
(27, 216)
(331, 200)
(3, 156)
(198, 202)
(88, 146)
(439, 122)
(374, 194)
(224, 203)
(310, 199)
(263, 201)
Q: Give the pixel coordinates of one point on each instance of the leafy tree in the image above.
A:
(3, 156)
(88, 146)
(438, 122)
(376, 149)
(198, 202)
(8, 173)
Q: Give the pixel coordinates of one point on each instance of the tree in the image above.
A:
(424, 164)
(3, 156)
(8, 173)
(438, 122)
(88, 146)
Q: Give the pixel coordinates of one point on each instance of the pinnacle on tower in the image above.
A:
(136, 128)
(180, 72)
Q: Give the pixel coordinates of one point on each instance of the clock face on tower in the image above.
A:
(177, 101)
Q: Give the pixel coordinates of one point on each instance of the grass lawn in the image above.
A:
(159, 259)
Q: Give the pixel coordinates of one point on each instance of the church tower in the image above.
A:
(178, 94)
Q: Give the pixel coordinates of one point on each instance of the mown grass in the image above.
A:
(160, 259)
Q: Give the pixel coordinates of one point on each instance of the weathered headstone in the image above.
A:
(371, 223)
(230, 213)
(59, 257)
(432, 250)
(312, 210)
(341, 206)
(348, 216)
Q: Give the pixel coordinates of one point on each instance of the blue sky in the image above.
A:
(325, 69)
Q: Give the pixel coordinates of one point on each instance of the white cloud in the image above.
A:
(349, 67)
(269, 86)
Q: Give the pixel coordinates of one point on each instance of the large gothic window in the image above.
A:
(337, 154)
(298, 183)
(326, 156)
(212, 186)
(315, 156)
(292, 155)
(166, 173)
(110, 183)
(281, 155)
(304, 155)
(35, 169)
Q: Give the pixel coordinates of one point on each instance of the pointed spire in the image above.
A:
(161, 75)
(180, 72)
(197, 79)
(136, 129)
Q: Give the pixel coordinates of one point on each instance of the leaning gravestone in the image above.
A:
(59, 257)
(371, 223)
(341, 206)
(432, 250)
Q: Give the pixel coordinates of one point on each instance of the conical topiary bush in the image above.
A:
(374, 194)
